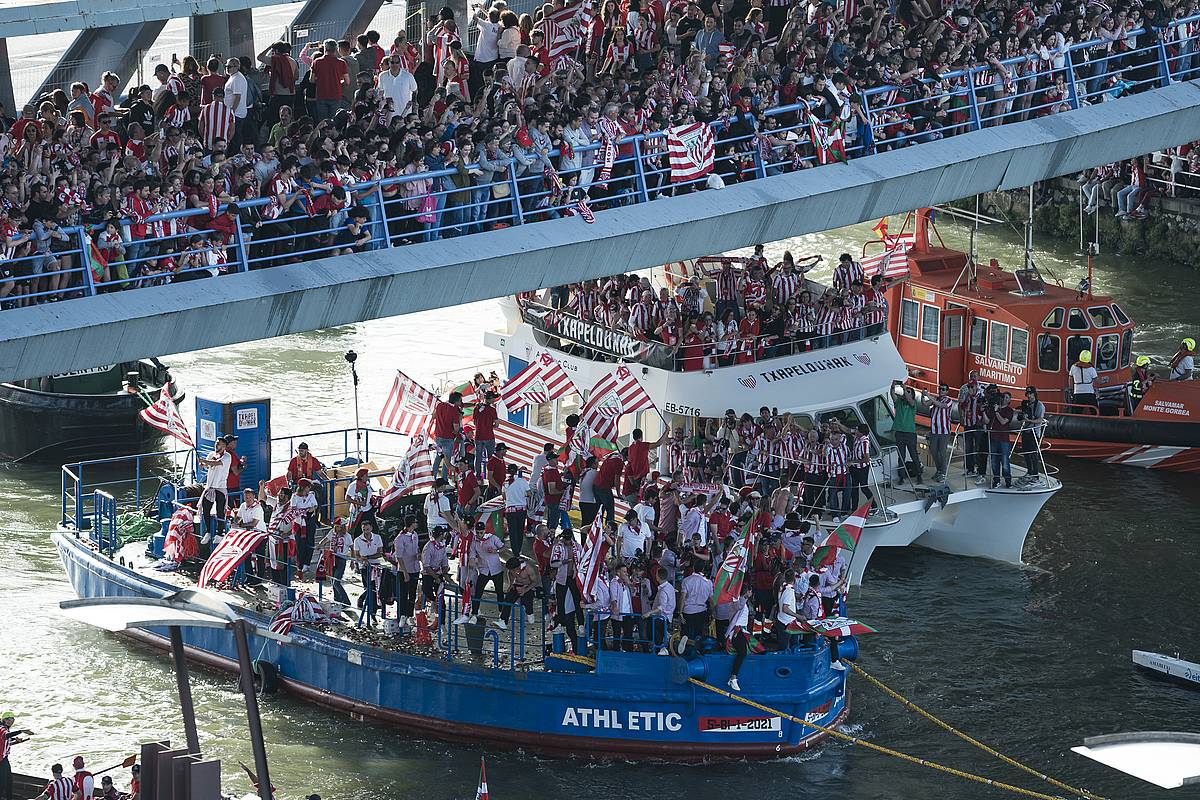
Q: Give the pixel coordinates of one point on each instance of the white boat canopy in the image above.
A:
(1164, 758)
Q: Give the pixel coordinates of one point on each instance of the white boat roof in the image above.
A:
(817, 381)
(1164, 758)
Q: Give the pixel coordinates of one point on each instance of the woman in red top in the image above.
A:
(692, 352)
(748, 346)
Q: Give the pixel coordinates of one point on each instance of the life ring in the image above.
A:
(267, 675)
(675, 271)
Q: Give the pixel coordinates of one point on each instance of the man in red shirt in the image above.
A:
(485, 429)
(638, 465)
(497, 470)
(606, 480)
(552, 490)
(447, 429)
(469, 493)
(330, 74)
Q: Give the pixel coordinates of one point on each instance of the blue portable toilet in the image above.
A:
(250, 421)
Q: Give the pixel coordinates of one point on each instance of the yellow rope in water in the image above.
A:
(836, 734)
(878, 684)
(877, 747)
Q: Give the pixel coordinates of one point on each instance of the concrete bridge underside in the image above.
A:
(86, 332)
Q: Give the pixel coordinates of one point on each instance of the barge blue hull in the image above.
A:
(633, 706)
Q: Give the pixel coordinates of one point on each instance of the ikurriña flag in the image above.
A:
(732, 575)
(409, 406)
(540, 382)
(844, 536)
(229, 554)
(691, 150)
(828, 140)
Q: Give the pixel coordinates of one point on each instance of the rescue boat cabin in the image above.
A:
(949, 317)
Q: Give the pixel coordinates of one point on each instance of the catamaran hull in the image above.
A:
(632, 707)
(994, 526)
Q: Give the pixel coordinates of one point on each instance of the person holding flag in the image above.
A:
(737, 635)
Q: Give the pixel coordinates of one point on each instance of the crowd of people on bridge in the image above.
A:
(300, 127)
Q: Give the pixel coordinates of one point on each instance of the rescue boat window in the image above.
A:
(1048, 346)
(1102, 316)
(908, 318)
(1076, 345)
(1109, 349)
(1126, 347)
(978, 343)
(930, 317)
(1020, 346)
(999, 346)
(952, 331)
(1076, 321)
(1122, 317)
(1054, 319)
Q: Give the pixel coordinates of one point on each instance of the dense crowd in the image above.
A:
(759, 310)
(550, 94)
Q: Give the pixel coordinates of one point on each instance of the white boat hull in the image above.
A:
(992, 526)
(1168, 666)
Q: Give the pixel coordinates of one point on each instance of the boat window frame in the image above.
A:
(983, 346)
(992, 326)
(906, 303)
(1126, 349)
(954, 321)
(1075, 312)
(1119, 313)
(1046, 323)
(1067, 347)
(926, 310)
(1058, 351)
(1099, 354)
(889, 415)
(1012, 339)
(1105, 309)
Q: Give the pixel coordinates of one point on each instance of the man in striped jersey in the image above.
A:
(939, 430)
(60, 787)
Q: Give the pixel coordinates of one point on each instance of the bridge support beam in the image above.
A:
(6, 84)
(96, 50)
(230, 33)
(109, 328)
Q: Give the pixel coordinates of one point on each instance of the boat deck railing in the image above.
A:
(428, 205)
(598, 342)
(131, 481)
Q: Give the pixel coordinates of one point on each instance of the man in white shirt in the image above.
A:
(786, 615)
(305, 500)
(215, 488)
(516, 506)
(437, 504)
(398, 84)
(486, 552)
(1083, 381)
(368, 546)
(633, 537)
(237, 97)
(697, 599)
(658, 618)
(487, 48)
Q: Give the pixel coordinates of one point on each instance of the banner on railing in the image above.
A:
(589, 334)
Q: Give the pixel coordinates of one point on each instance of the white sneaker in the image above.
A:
(529, 619)
(682, 646)
(839, 666)
(499, 623)
(474, 619)
(981, 480)
(463, 619)
(662, 651)
(733, 684)
(207, 539)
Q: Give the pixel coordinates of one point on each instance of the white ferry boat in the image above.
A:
(849, 380)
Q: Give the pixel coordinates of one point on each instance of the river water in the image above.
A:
(1029, 659)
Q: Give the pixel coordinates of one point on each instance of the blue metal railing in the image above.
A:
(427, 205)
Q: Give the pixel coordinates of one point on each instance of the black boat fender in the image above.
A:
(1089, 428)
(267, 675)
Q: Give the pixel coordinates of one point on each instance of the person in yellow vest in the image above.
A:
(1140, 381)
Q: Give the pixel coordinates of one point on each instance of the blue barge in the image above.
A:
(624, 706)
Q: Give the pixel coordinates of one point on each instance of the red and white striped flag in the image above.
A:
(181, 539)
(409, 406)
(281, 623)
(412, 474)
(591, 558)
(561, 29)
(482, 793)
(541, 381)
(165, 416)
(229, 554)
(614, 395)
(691, 150)
(584, 210)
(893, 261)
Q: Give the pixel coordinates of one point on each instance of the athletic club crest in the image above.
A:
(749, 381)
(863, 358)
(416, 405)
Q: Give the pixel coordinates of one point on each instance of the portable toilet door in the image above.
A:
(250, 421)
